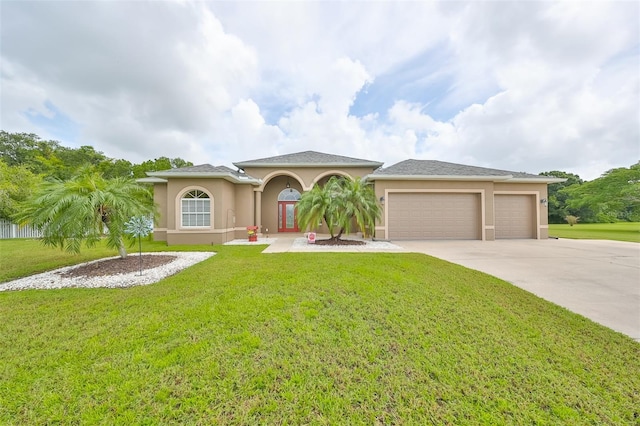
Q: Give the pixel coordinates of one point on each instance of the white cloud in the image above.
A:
(536, 85)
(147, 80)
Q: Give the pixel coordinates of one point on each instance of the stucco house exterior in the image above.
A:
(420, 199)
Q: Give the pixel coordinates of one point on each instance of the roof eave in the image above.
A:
(440, 177)
(505, 178)
(542, 179)
(151, 180)
(244, 165)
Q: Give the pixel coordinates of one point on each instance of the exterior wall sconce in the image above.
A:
(544, 202)
(382, 200)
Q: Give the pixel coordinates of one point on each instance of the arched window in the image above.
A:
(289, 194)
(196, 209)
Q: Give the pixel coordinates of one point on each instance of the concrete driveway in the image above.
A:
(597, 279)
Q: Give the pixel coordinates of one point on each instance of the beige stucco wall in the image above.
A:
(160, 198)
(485, 189)
(234, 205)
(203, 238)
(300, 178)
(305, 176)
(244, 209)
(223, 205)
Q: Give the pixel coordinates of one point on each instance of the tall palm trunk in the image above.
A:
(330, 227)
(122, 251)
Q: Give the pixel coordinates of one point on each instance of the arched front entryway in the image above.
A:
(287, 213)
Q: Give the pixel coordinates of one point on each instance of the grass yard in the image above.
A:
(307, 338)
(619, 231)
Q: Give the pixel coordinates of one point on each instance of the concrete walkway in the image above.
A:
(594, 278)
(280, 245)
(297, 243)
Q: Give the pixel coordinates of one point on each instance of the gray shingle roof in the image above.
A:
(308, 159)
(205, 170)
(433, 168)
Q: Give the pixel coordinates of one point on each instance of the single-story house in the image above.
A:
(420, 199)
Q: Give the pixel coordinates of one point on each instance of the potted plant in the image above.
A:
(252, 232)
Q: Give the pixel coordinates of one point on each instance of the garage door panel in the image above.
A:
(434, 216)
(515, 216)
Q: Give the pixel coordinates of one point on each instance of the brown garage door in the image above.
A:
(515, 216)
(434, 216)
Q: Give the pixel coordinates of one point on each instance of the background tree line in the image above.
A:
(613, 197)
(26, 161)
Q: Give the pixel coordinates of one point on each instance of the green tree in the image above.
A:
(162, 163)
(612, 197)
(46, 157)
(17, 183)
(49, 158)
(557, 199)
(84, 208)
(111, 168)
(28, 150)
(70, 160)
(341, 203)
(315, 206)
(359, 206)
(176, 163)
(18, 149)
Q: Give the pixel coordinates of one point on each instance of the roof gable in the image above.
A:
(308, 159)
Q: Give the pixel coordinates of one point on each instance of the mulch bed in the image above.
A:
(118, 266)
(332, 242)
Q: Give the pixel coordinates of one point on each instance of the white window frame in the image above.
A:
(200, 210)
(289, 194)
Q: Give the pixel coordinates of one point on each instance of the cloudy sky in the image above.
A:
(522, 86)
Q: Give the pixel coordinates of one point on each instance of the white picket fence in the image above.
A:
(11, 230)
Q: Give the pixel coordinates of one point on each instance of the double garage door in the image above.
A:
(457, 216)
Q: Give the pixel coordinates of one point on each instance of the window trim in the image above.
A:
(180, 213)
(282, 195)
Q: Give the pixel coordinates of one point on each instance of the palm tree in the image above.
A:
(341, 202)
(358, 204)
(315, 206)
(82, 208)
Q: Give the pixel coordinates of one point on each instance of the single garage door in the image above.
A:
(515, 216)
(434, 216)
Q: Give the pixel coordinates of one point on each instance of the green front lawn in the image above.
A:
(309, 338)
(619, 231)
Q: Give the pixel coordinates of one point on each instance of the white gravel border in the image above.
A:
(53, 279)
(246, 242)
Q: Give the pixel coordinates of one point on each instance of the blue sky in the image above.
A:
(421, 79)
(53, 121)
(523, 86)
